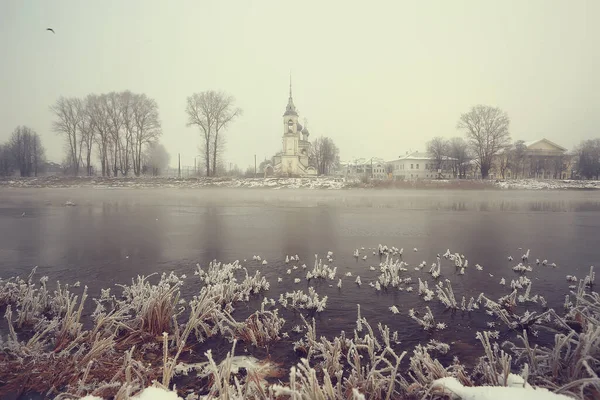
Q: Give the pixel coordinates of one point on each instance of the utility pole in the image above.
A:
(255, 165)
(179, 165)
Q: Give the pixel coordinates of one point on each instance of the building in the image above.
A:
(419, 165)
(293, 159)
(372, 168)
(542, 159)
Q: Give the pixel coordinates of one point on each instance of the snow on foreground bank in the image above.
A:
(517, 389)
(532, 184)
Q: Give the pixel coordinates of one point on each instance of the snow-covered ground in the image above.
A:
(135, 183)
(290, 183)
(533, 184)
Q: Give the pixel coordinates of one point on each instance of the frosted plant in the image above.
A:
(427, 322)
(525, 256)
(503, 281)
(571, 278)
(287, 259)
(522, 268)
(409, 289)
(339, 284)
(394, 310)
(264, 262)
(358, 281)
(589, 279)
(436, 269)
(425, 291)
(297, 280)
(300, 300)
(356, 253)
(289, 271)
(279, 280)
(260, 328)
(446, 295)
(478, 267)
(438, 346)
(348, 274)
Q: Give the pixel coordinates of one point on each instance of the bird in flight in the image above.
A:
(51, 30)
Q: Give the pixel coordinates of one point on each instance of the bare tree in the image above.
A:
(200, 113)
(323, 155)
(438, 149)
(98, 112)
(68, 116)
(505, 161)
(27, 150)
(211, 112)
(87, 132)
(115, 122)
(127, 104)
(487, 132)
(458, 151)
(225, 113)
(146, 127)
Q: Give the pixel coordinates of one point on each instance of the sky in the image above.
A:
(380, 78)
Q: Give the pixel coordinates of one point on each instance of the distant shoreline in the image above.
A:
(331, 183)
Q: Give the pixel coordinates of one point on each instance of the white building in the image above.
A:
(417, 165)
(373, 168)
(293, 159)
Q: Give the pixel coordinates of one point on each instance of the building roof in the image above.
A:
(532, 142)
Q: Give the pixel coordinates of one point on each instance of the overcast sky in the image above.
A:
(379, 77)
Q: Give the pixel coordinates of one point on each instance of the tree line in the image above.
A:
(118, 125)
(23, 152)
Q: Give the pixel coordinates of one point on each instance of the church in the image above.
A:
(293, 159)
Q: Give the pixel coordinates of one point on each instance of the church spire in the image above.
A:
(291, 108)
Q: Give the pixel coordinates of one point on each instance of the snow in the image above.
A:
(533, 184)
(155, 393)
(150, 393)
(456, 390)
(334, 183)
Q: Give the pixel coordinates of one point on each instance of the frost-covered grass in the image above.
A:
(142, 340)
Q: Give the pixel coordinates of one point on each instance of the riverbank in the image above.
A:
(291, 183)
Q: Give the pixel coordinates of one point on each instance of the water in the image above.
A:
(112, 236)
